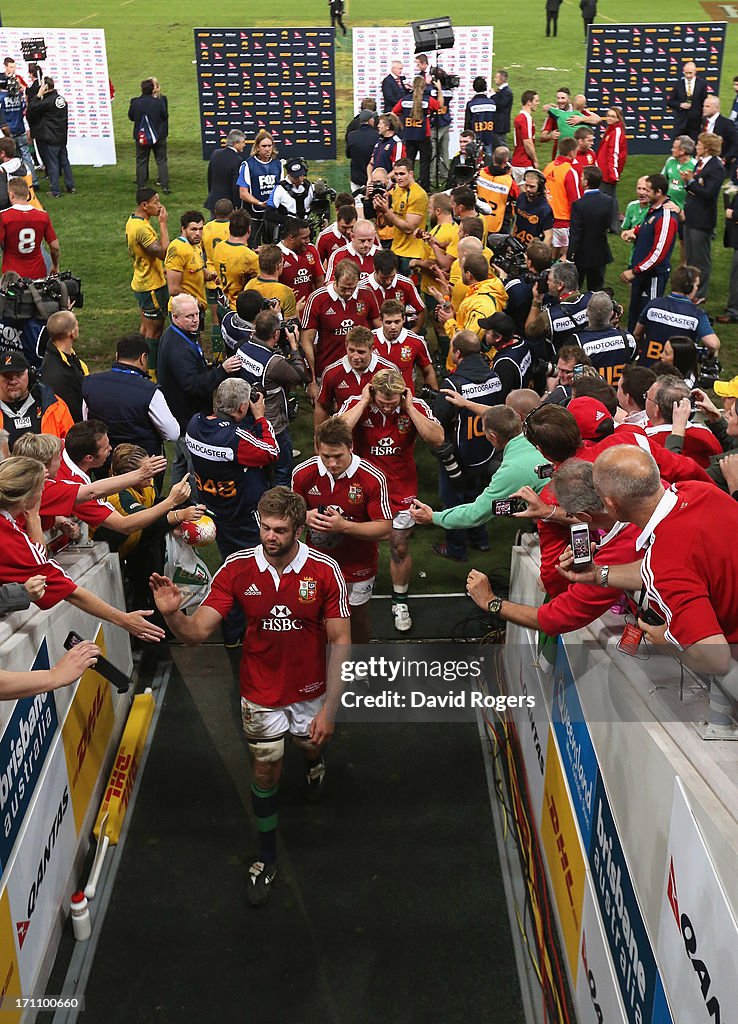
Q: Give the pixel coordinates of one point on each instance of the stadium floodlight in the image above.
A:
(433, 34)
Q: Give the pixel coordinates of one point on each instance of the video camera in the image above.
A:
(509, 256)
(709, 367)
(447, 81)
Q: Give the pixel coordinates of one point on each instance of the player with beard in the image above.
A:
(287, 591)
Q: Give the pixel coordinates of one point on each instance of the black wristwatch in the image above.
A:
(494, 606)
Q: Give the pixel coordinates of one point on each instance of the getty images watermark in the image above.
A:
(421, 683)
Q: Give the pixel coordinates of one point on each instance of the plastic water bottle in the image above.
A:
(81, 924)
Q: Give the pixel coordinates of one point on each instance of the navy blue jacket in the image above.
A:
(186, 378)
(121, 397)
(157, 110)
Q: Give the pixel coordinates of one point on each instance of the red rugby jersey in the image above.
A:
(360, 494)
(388, 442)
(330, 238)
(404, 352)
(333, 317)
(284, 649)
(402, 289)
(301, 271)
(22, 229)
(347, 252)
(340, 381)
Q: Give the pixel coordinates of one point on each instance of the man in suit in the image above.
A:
(700, 210)
(686, 100)
(150, 115)
(590, 223)
(503, 98)
(713, 121)
(223, 171)
(360, 145)
(393, 86)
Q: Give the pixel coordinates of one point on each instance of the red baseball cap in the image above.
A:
(593, 419)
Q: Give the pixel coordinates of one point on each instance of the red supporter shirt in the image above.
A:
(284, 649)
(347, 252)
(91, 512)
(340, 381)
(700, 443)
(524, 129)
(301, 272)
(58, 499)
(553, 538)
(22, 229)
(330, 238)
(690, 565)
(404, 352)
(388, 442)
(581, 603)
(332, 317)
(402, 289)
(672, 467)
(22, 559)
(360, 494)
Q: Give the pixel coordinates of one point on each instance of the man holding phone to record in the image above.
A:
(582, 602)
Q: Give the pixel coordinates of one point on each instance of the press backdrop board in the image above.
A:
(280, 79)
(637, 66)
(376, 48)
(77, 61)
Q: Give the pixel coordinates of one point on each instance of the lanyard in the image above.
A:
(193, 344)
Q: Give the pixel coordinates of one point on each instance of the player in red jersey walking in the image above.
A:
(385, 421)
(349, 512)
(295, 600)
(348, 376)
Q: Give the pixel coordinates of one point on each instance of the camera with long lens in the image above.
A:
(446, 455)
(709, 367)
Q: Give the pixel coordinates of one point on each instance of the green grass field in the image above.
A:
(143, 40)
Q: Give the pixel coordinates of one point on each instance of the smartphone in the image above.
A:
(580, 546)
(106, 668)
(650, 617)
(544, 472)
(508, 506)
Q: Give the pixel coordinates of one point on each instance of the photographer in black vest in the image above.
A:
(292, 197)
(466, 456)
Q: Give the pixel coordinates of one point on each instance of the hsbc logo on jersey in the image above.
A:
(385, 446)
(346, 326)
(281, 620)
(302, 276)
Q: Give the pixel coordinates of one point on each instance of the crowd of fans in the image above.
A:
(474, 320)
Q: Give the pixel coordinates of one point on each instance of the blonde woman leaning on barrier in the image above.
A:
(21, 484)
